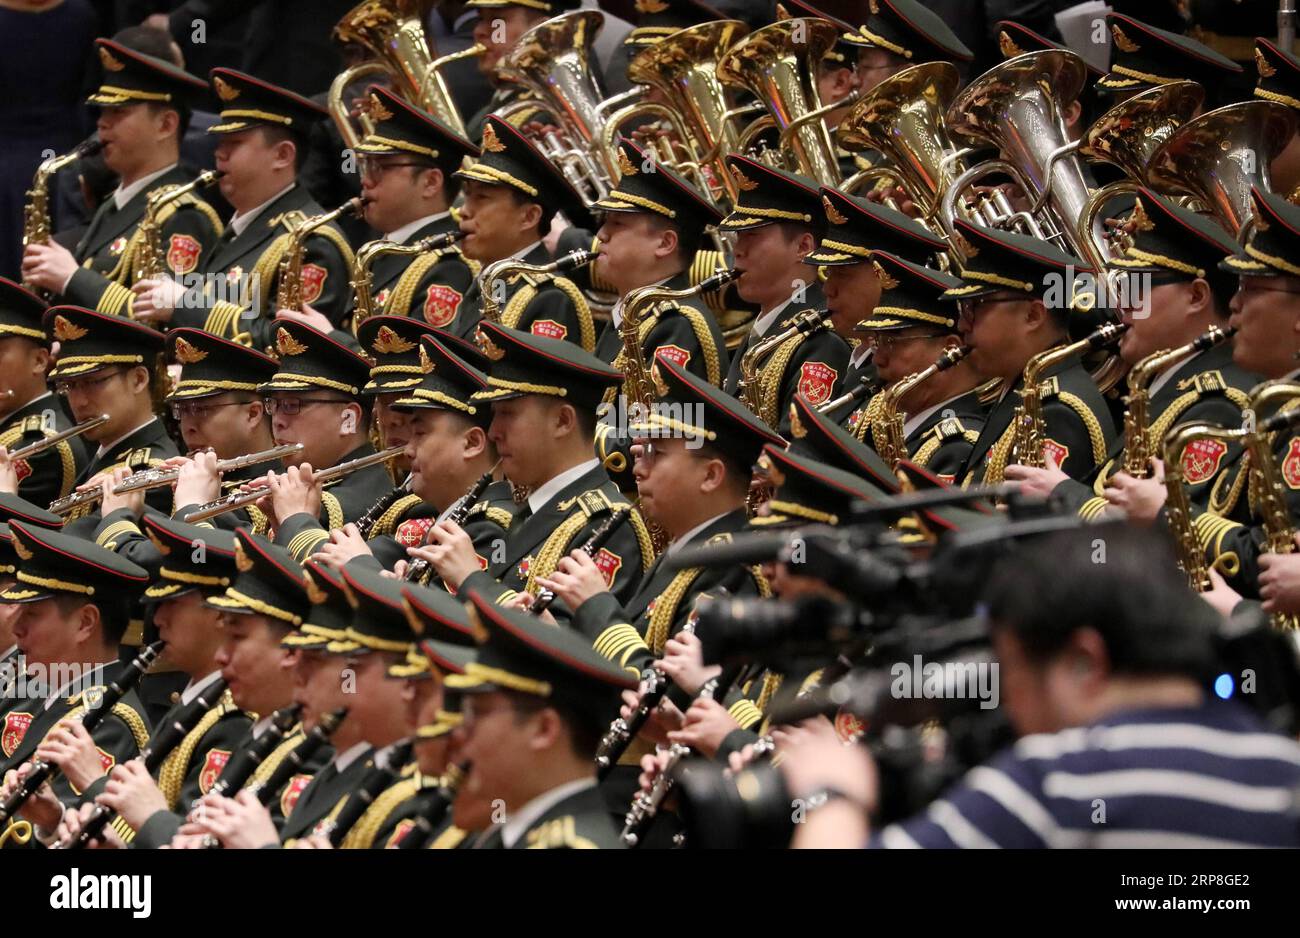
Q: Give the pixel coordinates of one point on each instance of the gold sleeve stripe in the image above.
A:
(114, 530)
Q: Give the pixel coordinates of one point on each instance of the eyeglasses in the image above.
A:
(197, 411)
(84, 385)
(969, 308)
(885, 341)
(292, 406)
(1252, 285)
(374, 169)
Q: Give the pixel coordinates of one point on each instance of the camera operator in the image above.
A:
(1104, 654)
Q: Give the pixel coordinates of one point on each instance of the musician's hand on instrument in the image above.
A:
(1224, 598)
(788, 735)
(48, 266)
(42, 809)
(1139, 499)
(198, 481)
(1037, 483)
(707, 725)
(576, 579)
(817, 762)
(314, 842)
(131, 501)
(8, 474)
(1279, 581)
(70, 747)
(308, 316)
(239, 823)
(523, 602)
(450, 551)
(683, 661)
(296, 491)
(344, 544)
(156, 299)
(75, 818)
(651, 766)
(397, 573)
(132, 793)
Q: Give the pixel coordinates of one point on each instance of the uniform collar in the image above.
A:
(526, 816)
(97, 672)
(694, 532)
(764, 322)
(240, 221)
(194, 688)
(350, 755)
(1165, 376)
(124, 194)
(548, 490)
(108, 448)
(403, 234)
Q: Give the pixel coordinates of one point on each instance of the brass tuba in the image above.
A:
(393, 32)
(779, 64)
(1220, 155)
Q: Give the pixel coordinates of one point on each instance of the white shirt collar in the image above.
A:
(692, 533)
(860, 356)
(108, 446)
(123, 194)
(262, 725)
(545, 492)
(616, 314)
(194, 688)
(241, 220)
(38, 397)
(95, 675)
(403, 234)
(764, 321)
(1163, 378)
(521, 820)
(345, 758)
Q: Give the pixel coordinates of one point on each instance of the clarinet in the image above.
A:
(598, 539)
(241, 768)
(646, 804)
(154, 754)
(427, 821)
(91, 717)
(380, 777)
(366, 523)
(264, 791)
(417, 568)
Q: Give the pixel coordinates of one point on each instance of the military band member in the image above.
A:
(110, 365)
(263, 132)
(316, 399)
(511, 195)
(392, 343)
(536, 701)
(1177, 254)
(899, 34)
(500, 24)
(12, 693)
(144, 109)
(191, 564)
(653, 226)
(30, 409)
(1144, 57)
(449, 451)
(912, 324)
(75, 598)
(1278, 73)
(544, 394)
(778, 219)
(1016, 297)
(854, 228)
(408, 167)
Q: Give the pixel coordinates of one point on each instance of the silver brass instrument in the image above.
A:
(236, 500)
(157, 478)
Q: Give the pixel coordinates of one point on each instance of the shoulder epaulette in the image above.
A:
(558, 834)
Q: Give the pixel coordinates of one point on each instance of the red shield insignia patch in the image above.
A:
(1291, 464)
(212, 766)
(675, 354)
(22, 469)
(106, 759)
(313, 282)
(413, 532)
(524, 566)
(816, 379)
(848, 727)
(15, 729)
(440, 305)
(549, 329)
(398, 833)
(608, 563)
(381, 297)
(1201, 460)
(183, 253)
(1056, 451)
(118, 246)
(292, 790)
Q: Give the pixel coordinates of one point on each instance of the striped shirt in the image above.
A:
(1206, 776)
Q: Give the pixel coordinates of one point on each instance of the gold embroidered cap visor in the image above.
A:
(130, 77)
(251, 102)
(52, 563)
(90, 340)
(213, 365)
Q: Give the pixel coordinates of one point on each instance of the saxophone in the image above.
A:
(1138, 448)
(646, 299)
(510, 269)
(151, 261)
(1030, 425)
(289, 276)
(37, 226)
(1177, 506)
(888, 432)
(361, 283)
(808, 322)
